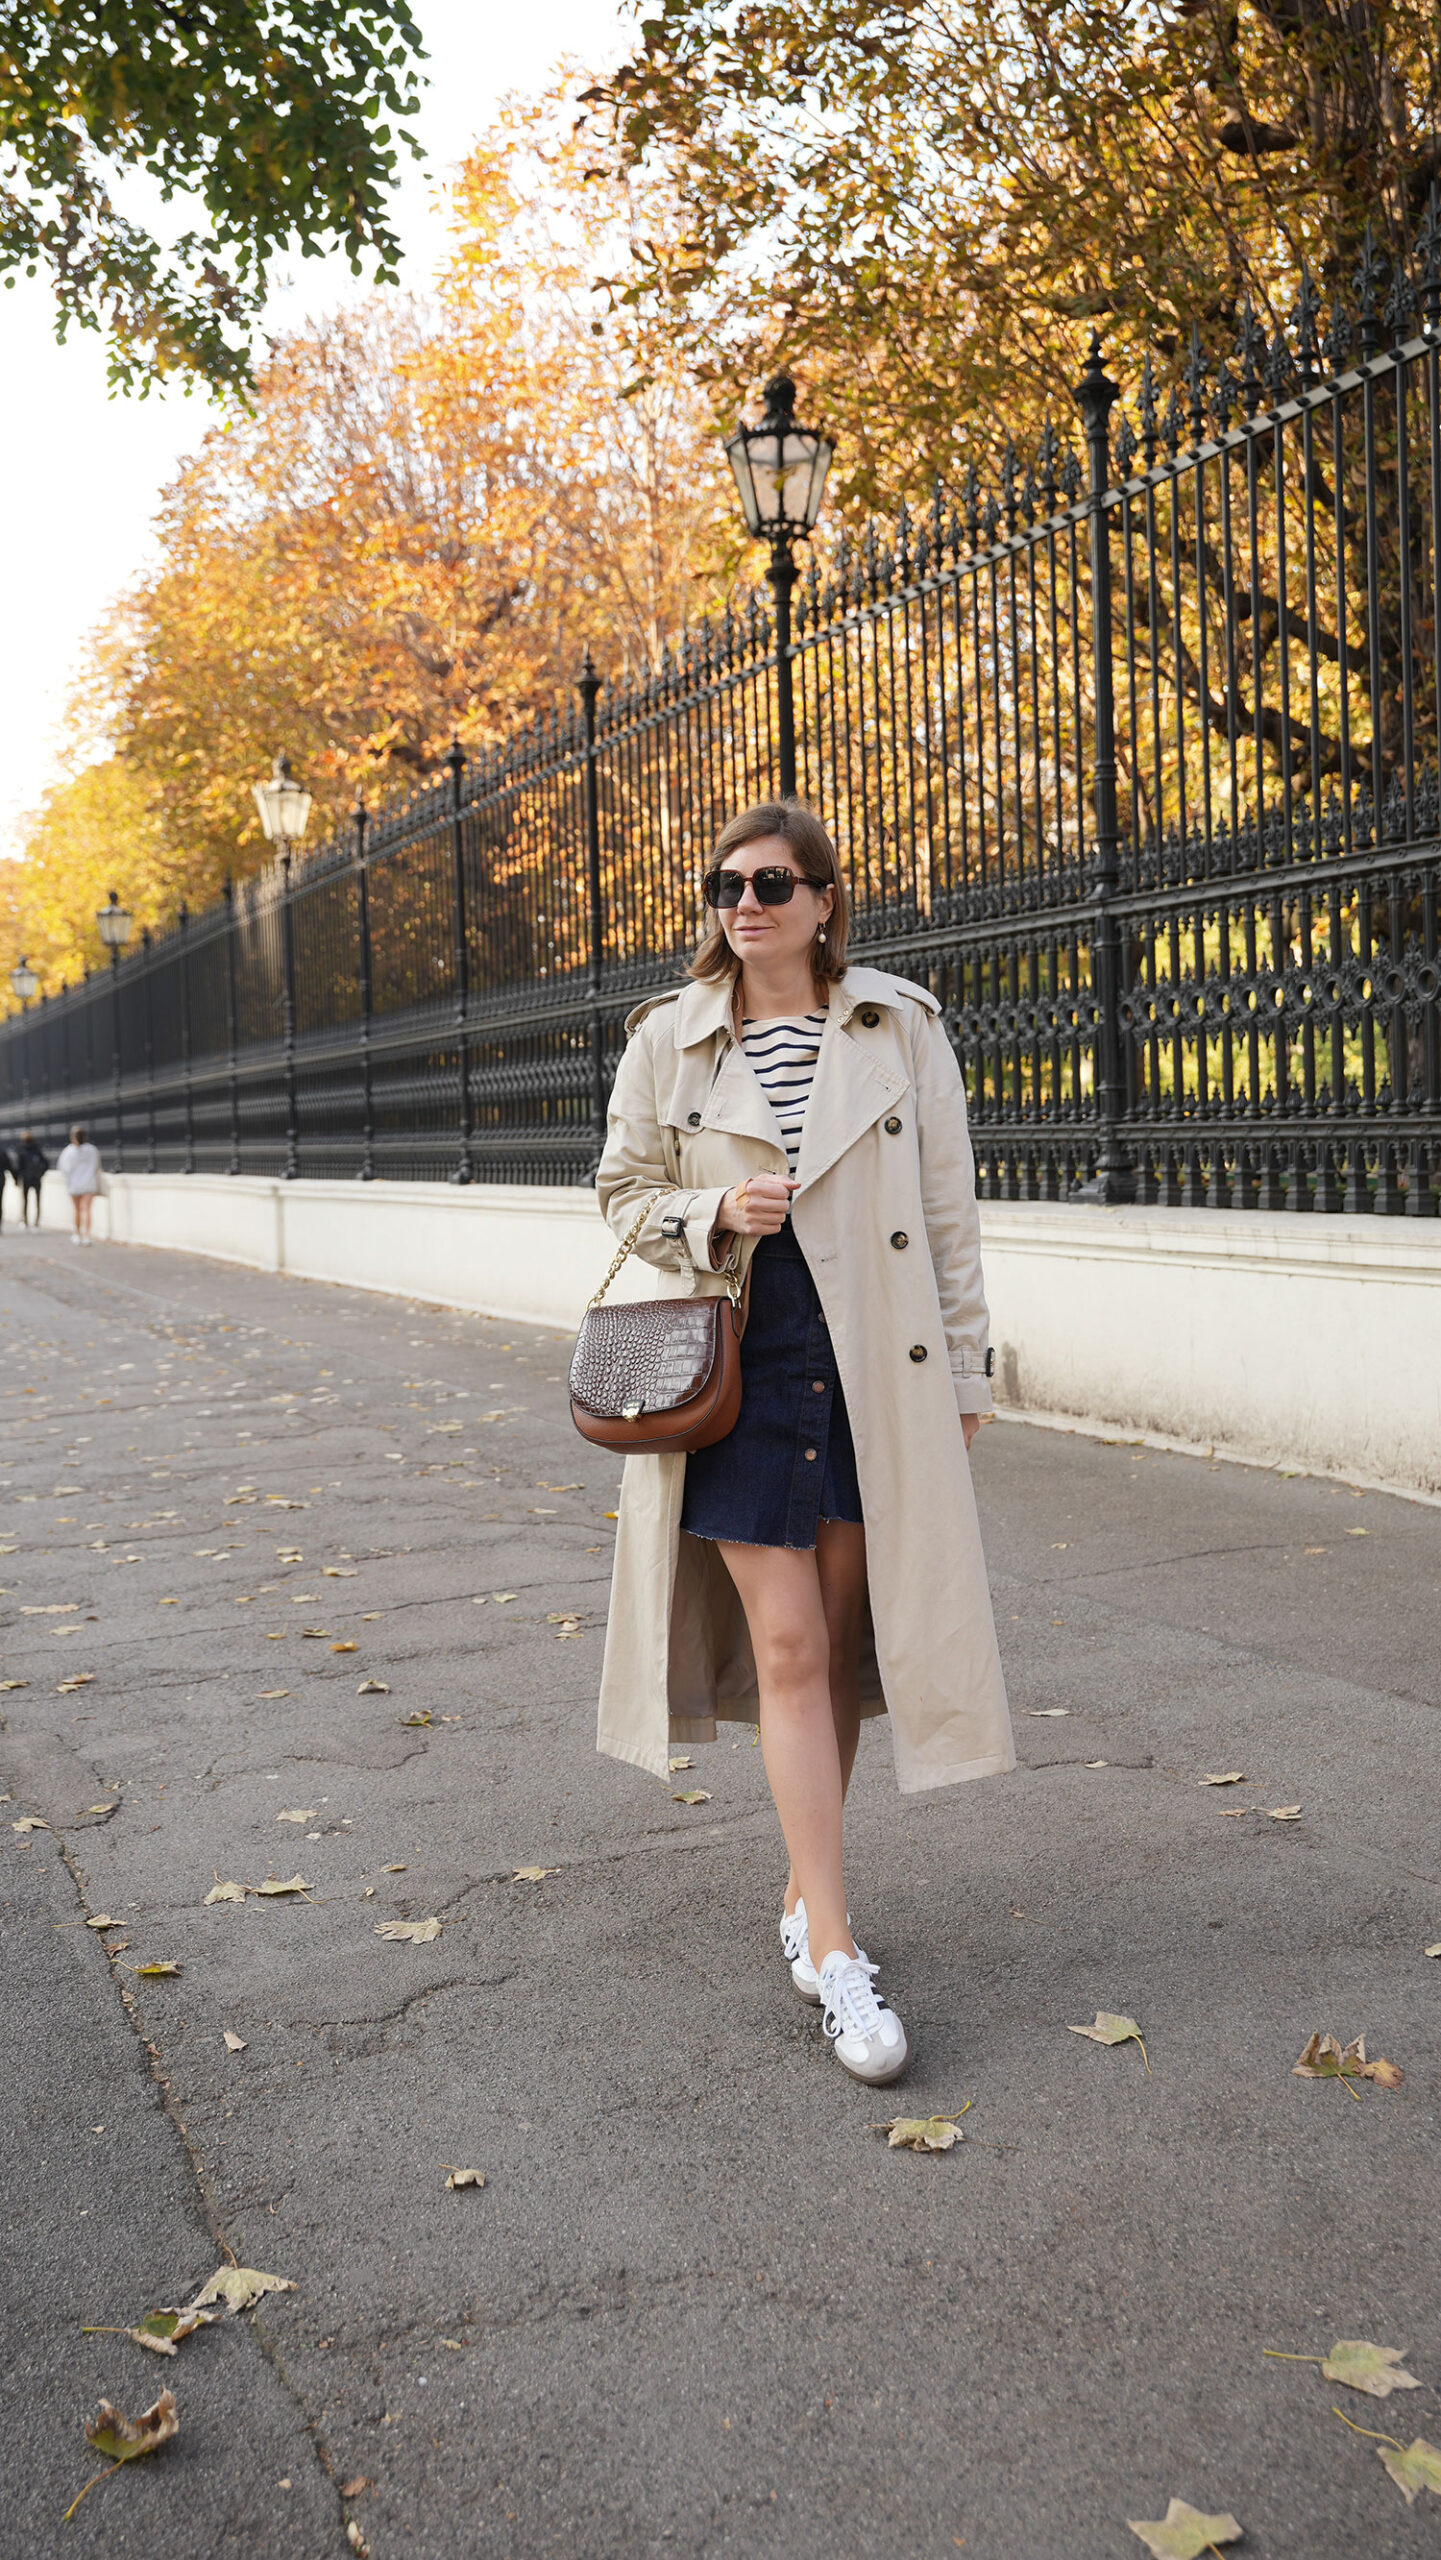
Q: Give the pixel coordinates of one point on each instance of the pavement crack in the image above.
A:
(268, 2346)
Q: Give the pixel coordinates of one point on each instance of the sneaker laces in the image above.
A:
(851, 2006)
(793, 1932)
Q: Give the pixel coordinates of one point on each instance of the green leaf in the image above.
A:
(1378, 2371)
(1184, 2533)
(1418, 2468)
(164, 2331)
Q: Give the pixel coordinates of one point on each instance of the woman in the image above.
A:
(804, 1122)
(79, 1164)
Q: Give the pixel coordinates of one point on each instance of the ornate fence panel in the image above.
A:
(1132, 758)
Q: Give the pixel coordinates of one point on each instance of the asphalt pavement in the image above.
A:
(310, 1583)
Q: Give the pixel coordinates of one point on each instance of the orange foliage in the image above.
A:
(432, 511)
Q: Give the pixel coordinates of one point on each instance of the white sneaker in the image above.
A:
(867, 2038)
(796, 1948)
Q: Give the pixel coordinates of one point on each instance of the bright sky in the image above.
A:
(84, 472)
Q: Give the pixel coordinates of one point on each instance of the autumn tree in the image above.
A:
(924, 206)
(271, 114)
(431, 513)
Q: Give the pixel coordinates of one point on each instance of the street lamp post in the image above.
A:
(780, 470)
(114, 925)
(284, 806)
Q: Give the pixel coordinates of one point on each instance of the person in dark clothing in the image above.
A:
(25, 1167)
(7, 1165)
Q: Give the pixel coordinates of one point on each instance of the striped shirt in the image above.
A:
(783, 1053)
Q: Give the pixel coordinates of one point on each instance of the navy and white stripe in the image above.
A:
(783, 1053)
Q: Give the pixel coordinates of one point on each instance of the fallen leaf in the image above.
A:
(504, 1595)
(396, 1868)
(279, 1884)
(274, 1693)
(680, 1764)
(233, 2042)
(100, 1808)
(356, 2539)
(340, 1572)
(465, 2177)
(533, 1875)
(14, 1684)
(123, 2439)
(297, 1813)
(172, 1603)
(419, 1932)
(1231, 1778)
(1184, 2533)
(373, 1689)
(1324, 2059)
(316, 1631)
(151, 1971)
(346, 1647)
(1048, 1711)
(353, 2488)
(1414, 2468)
(1378, 2371)
(691, 1795)
(238, 2287)
(1111, 2029)
(30, 1822)
(65, 1688)
(164, 2332)
(1283, 1813)
(422, 1715)
(226, 1893)
(1432, 1951)
(922, 2133)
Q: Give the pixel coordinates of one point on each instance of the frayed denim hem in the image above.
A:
(781, 1546)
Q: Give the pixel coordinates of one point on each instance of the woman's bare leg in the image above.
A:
(841, 1565)
(781, 1592)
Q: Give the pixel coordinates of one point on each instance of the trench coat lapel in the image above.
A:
(733, 1099)
(853, 1087)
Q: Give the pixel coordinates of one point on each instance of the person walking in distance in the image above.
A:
(79, 1164)
(803, 1122)
(30, 1164)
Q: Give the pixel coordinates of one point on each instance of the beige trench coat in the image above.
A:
(885, 1155)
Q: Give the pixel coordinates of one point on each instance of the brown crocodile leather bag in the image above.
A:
(658, 1375)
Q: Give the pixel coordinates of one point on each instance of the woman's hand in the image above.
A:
(758, 1206)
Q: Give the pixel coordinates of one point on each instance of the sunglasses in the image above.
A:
(775, 886)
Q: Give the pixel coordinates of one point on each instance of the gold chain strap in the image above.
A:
(733, 1286)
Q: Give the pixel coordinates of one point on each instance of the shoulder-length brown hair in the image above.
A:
(819, 862)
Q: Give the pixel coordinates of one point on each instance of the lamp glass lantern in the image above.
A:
(283, 803)
(23, 979)
(114, 924)
(780, 469)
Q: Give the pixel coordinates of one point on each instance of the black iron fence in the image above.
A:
(1132, 758)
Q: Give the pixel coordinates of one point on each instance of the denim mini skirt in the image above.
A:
(790, 1462)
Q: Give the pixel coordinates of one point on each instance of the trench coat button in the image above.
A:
(818, 1386)
(870, 1017)
(694, 1120)
(900, 1240)
(919, 1351)
(893, 1127)
(810, 1453)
